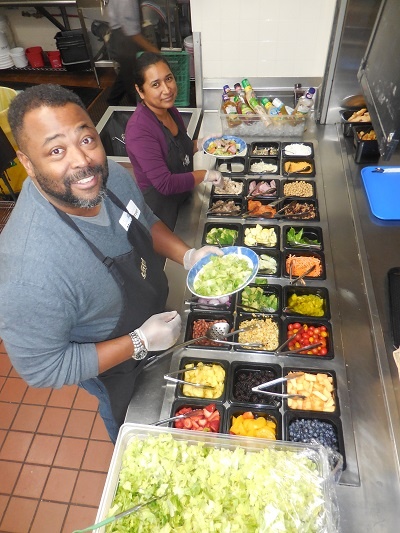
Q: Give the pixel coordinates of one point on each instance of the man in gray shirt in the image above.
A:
(82, 288)
(125, 41)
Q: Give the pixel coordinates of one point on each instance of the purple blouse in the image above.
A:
(148, 150)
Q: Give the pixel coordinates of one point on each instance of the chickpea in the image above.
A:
(298, 188)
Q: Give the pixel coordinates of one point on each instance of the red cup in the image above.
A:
(35, 56)
(55, 59)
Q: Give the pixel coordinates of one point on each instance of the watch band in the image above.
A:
(140, 350)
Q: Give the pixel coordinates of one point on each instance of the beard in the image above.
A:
(66, 197)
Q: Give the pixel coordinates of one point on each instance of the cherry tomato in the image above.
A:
(308, 334)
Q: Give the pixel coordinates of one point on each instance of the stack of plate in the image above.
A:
(5, 58)
(6, 61)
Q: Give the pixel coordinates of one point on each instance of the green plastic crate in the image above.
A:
(179, 63)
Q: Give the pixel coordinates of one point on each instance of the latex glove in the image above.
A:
(192, 256)
(160, 331)
(201, 141)
(215, 177)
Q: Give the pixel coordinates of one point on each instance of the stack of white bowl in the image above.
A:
(18, 56)
(5, 58)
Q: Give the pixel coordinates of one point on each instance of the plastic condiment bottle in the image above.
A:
(230, 109)
(248, 89)
(228, 91)
(259, 109)
(280, 106)
(305, 102)
(271, 109)
(241, 99)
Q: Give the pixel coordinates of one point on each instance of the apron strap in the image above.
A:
(108, 262)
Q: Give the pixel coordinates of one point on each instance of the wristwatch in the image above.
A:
(140, 349)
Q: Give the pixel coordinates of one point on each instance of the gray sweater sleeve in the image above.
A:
(57, 299)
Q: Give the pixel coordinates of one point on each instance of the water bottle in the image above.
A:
(305, 103)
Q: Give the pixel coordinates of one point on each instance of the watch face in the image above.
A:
(141, 354)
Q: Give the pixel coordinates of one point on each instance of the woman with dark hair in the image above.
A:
(158, 146)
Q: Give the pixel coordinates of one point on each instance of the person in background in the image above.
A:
(157, 144)
(125, 41)
(83, 289)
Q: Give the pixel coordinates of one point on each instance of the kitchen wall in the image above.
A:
(259, 38)
(31, 31)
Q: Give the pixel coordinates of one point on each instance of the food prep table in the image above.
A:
(356, 251)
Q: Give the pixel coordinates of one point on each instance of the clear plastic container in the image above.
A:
(254, 126)
(325, 517)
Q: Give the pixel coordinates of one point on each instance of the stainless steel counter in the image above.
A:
(357, 251)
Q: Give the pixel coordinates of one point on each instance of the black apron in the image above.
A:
(143, 284)
(179, 160)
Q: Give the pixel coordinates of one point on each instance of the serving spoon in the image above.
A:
(218, 332)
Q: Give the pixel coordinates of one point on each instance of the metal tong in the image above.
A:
(268, 214)
(300, 278)
(268, 192)
(301, 349)
(119, 515)
(122, 140)
(260, 388)
(195, 412)
(170, 377)
(263, 310)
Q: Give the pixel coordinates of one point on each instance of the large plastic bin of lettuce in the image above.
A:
(217, 483)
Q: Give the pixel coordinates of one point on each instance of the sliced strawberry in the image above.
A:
(195, 425)
(196, 418)
(209, 409)
(214, 416)
(214, 425)
(187, 423)
(179, 424)
(184, 410)
(203, 422)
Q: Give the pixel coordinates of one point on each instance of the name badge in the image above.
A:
(133, 209)
(125, 220)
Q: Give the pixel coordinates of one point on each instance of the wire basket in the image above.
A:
(5, 212)
(179, 63)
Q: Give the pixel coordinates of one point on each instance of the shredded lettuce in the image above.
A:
(211, 489)
(222, 275)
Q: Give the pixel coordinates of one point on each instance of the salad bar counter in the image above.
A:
(290, 235)
(341, 390)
